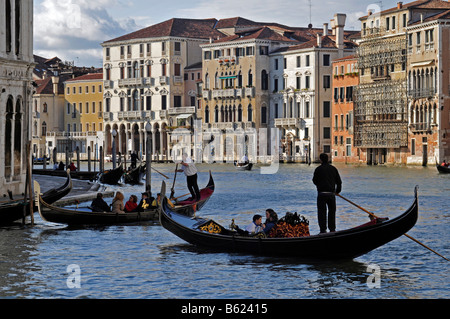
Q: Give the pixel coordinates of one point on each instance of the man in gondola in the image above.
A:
(328, 183)
(189, 169)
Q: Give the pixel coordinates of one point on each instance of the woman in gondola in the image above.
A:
(271, 220)
(131, 205)
(117, 204)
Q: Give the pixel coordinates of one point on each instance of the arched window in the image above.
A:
(18, 137)
(44, 129)
(250, 78)
(216, 115)
(44, 108)
(8, 22)
(136, 69)
(264, 114)
(250, 113)
(8, 136)
(264, 80)
(207, 81)
(240, 113)
(18, 24)
(135, 100)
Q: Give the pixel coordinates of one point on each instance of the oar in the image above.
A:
(160, 173)
(373, 215)
(172, 192)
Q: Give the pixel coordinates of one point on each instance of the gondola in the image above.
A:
(134, 176)
(443, 169)
(62, 173)
(13, 210)
(243, 167)
(85, 216)
(345, 244)
(188, 206)
(113, 176)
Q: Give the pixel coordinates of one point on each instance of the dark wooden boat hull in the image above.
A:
(443, 170)
(346, 244)
(134, 176)
(75, 175)
(15, 209)
(113, 176)
(246, 167)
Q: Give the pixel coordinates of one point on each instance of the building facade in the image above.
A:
(387, 125)
(345, 79)
(144, 82)
(16, 69)
(302, 93)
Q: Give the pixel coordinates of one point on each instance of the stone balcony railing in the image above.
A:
(287, 122)
(181, 110)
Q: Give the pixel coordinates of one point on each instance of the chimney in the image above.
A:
(44, 75)
(325, 29)
(399, 5)
(333, 27)
(55, 81)
(319, 40)
(339, 20)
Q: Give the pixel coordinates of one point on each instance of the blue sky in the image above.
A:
(74, 29)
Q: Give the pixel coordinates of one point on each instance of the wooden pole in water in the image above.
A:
(410, 237)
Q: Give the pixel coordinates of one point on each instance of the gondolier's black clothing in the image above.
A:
(327, 179)
(328, 182)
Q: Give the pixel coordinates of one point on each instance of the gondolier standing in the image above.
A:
(328, 183)
(189, 169)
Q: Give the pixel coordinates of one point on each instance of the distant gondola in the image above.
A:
(13, 210)
(443, 169)
(345, 244)
(134, 176)
(86, 216)
(113, 176)
(61, 173)
(243, 166)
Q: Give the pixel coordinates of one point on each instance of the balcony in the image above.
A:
(422, 93)
(250, 92)
(107, 116)
(206, 94)
(131, 82)
(108, 84)
(287, 122)
(420, 127)
(129, 115)
(163, 80)
(223, 126)
(240, 93)
(181, 110)
(177, 79)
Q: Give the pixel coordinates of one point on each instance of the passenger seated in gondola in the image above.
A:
(156, 201)
(117, 204)
(256, 226)
(244, 160)
(145, 202)
(271, 220)
(99, 205)
(72, 167)
(61, 166)
(445, 164)
(131, 205)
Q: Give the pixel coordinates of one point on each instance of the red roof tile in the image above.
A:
(88, 77)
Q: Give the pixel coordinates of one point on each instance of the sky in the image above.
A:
(73, 30)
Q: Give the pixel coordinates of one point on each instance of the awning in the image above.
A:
(184, 116)
(227, 77)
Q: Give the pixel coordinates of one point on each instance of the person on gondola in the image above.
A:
(61, 166)
(131, 205)
(189, 169)
(256, 226)
(445, 164)
(156, 201)
(99, 205)
(145, 202)
(271, 220)
(72, 167)
(134, 159)
(328, 183)
(117, 204)
(244, 160)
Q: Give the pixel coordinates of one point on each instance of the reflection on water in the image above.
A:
(146, 261)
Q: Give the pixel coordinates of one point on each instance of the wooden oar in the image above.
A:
(172, 191)
(160, 173)
(373, 215)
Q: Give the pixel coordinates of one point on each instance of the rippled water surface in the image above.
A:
(146, 261)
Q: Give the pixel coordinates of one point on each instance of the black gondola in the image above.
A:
(443, 169)
(134, 176)
(84, 216)
(13, 210)
(113, 176)
(61, 173)
(345, 244)
(243, 166)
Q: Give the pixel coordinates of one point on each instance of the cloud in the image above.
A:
(76, 29)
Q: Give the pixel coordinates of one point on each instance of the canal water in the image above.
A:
(146, 261)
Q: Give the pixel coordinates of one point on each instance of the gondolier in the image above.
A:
(189, 169)
(328, 182)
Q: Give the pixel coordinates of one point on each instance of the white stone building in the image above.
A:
(16, 68)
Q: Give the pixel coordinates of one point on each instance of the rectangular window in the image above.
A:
(326, 109)
(207, 55)
(177, 71)
(299, 61)
(326, 81)
(326, 60)
(413, 146)
(307, 61)
(298, 81)
(404, 20)
(93, 108)
(307, 82)
(307, 111)
(285, 63)
(163, 102)
(393, 23)
(87, 107)
(149, 103)
(387, 24)
(177, 46)
(276, 64)
(177, 101)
